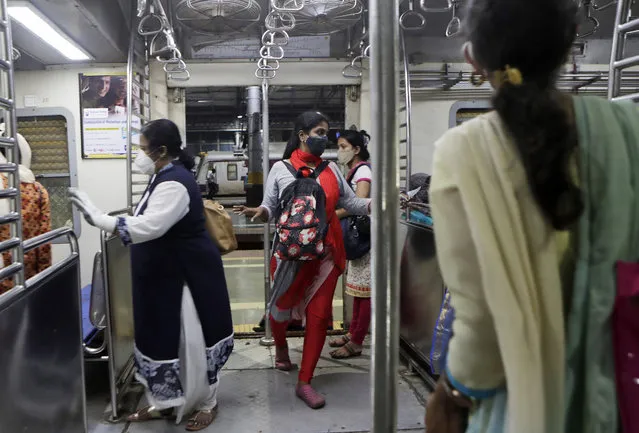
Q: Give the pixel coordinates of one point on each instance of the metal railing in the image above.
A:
(618, 63)
(139, 97)
(9, 142)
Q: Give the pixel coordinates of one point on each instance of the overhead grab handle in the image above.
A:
(279, 21)
(175, 58)
(151, 25)
(264, 64)
(424, 5)
(590, 20)
(272, 38)
(351, 71)
(412, 19)
(265, 74)
(179, 66)
(272, 52)
(454, 26)
(287, 5)
(168, 48)
(184, 75)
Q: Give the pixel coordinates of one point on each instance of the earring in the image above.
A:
(477, 79)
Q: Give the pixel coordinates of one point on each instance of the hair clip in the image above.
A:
(512, 76)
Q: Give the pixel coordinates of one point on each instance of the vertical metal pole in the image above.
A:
(12, 152)
(129, 112)
(384, 40)
(267, 340)
(618, 45)
(409, 103)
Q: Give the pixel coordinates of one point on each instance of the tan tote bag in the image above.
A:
(220, 226)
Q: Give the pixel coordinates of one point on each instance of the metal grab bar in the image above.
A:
(297, 5)
(409, 15)
(423, 4)
(47, 238)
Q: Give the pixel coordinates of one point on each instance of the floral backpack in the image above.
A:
(301, 223)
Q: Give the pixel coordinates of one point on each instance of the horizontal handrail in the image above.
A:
(49, 237)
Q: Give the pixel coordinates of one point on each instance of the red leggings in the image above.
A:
(361, 319)
(318, 314)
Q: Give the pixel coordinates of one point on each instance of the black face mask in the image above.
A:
(317, 144)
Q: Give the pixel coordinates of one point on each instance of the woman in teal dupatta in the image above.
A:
(533, 204)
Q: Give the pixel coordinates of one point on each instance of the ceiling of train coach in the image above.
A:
(214, 29)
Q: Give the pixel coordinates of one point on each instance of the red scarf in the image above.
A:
(330, 185)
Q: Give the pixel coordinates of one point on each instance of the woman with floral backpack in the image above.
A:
(302, 195)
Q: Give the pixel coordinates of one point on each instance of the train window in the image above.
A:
(231, 172)
(216, 116)
(463, 111)
(51, 137)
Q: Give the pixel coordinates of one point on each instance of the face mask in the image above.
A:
(344, 156)
(317, 145)
(144, 163)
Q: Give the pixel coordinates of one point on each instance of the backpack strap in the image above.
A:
(290, 168)
(320, 168)
(314, 173)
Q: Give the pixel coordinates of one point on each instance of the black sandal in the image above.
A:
(201, 419)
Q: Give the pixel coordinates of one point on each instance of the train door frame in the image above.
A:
(72, 152)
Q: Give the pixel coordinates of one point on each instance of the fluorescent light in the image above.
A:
(39, 26)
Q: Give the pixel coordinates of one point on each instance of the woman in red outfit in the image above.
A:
(304, 289)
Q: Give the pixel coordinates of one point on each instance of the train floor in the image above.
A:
(255, 398)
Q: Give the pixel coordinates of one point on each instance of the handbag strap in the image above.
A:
(351, 175)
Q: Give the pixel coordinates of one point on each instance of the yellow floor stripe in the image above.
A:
(248, 328)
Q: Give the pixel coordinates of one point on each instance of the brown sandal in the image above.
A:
(346, 351)
(339, 341)
(149, 413)
(201, 419)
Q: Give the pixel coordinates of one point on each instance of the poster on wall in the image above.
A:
(103, 110)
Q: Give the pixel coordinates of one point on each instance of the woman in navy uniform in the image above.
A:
(173, 260)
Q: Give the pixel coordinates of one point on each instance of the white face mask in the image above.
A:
(144, 163)
(344, 156)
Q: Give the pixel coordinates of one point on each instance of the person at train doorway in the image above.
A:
(174, 262)
(353, 153)
(535, 214)
(36, 214)
(305, 289)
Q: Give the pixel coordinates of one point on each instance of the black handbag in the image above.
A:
(356, 231)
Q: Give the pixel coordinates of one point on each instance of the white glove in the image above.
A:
(92, 214)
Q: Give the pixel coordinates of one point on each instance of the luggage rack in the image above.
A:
(448, 83)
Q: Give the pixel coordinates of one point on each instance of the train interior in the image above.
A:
(233, 75)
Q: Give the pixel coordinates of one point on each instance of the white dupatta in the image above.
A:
(499, 258)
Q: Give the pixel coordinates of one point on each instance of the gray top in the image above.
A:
(280, 177)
